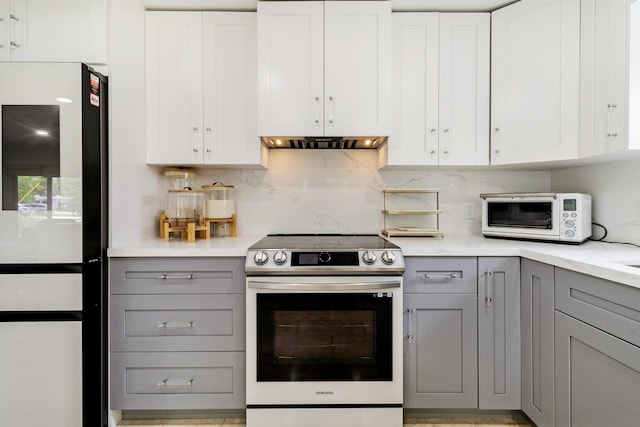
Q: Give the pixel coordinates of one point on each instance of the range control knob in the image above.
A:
(369, 257)
(280, 257)
(261, 258)
(388, 257)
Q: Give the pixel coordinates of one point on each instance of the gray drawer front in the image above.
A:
(441, 275)
(177, 275)
(214, 322)
(178, 380)
(609, 306)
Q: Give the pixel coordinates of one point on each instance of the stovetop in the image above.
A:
(324, 254)
(323, 241)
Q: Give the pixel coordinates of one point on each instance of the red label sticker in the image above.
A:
(95, 81)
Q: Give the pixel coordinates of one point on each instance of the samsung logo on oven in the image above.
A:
(324, 392)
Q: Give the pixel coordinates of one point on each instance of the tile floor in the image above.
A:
(409, 422)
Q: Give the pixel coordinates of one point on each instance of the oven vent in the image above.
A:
(324, 142)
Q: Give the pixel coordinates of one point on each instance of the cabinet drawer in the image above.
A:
(177, 275)
(178, 322)
(609, 306)
(441, 275)
(203, 380)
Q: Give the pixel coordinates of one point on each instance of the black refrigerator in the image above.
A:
(53, 242)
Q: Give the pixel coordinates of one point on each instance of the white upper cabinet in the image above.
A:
(535, 81)
(53, 31)
(440, 90)
(200, 88)
(610, 67)
(324, 68)
(230, 113)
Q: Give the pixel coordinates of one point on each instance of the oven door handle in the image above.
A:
(367, 286)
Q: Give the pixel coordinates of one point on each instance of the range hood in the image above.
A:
(323, 142)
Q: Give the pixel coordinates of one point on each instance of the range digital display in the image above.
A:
(325, 258)
(308, 258)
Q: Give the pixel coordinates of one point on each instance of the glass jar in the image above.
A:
(178, 179)
(218, 201)
(184, 207)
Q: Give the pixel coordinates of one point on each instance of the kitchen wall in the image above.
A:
(615, 192)
(312, 192)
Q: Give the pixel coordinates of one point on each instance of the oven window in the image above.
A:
(324, 337)
(520, 214)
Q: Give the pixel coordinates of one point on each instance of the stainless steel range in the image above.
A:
(324, 331)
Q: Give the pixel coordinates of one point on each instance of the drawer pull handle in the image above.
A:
(443, 276)
(188, 276)
(409, 332)
(176, 383)
(488, 288)
(168, 325)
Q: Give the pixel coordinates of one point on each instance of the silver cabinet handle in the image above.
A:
(610, 110)
(14, 17)
(187, 276)
(496, 144)
(317, 103)
(409, 326)
(431, 142)
(174, 325)
(176, 383)
(14, 45)
(331, 110)
(488, 288)
(441, 276)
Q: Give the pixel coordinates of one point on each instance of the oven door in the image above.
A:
(324, 340)
(525, 217)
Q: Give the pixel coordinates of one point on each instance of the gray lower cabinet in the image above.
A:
(440, 325)
(597, 377)
(177, 333)
(499, 333)
(537, 341)
(597, 352)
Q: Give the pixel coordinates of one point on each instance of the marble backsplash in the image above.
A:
(327, 191)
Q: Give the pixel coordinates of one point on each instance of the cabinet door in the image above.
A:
(499, 333)
(597, 376)
(535, 81)
(290, 68)
(464, 89)
(357, 50)
(414, 140)
(440, 351)
(173, 48)
(67, 30)
(230, 111)
(536, 305)
(5, 23)
(604, 80)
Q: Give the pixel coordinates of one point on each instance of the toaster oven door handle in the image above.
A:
(366, 286)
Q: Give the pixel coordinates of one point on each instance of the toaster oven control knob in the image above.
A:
(569, 223)
(388, 257)
(369, 257)
(261, 258)
(570, 233)
(280, 257)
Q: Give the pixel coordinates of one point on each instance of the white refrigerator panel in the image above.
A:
(41, 369)
(37, 292)
(41, 180)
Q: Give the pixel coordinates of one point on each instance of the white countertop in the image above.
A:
(604, 260)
